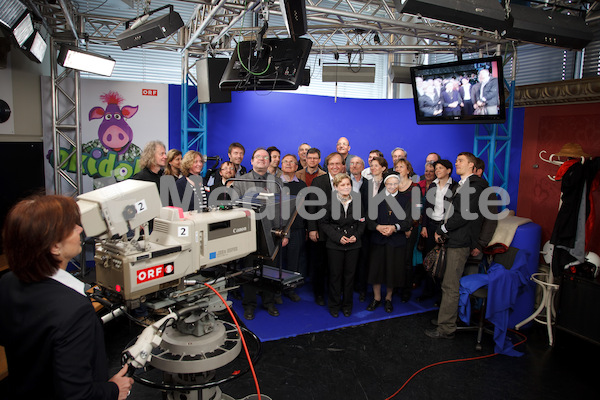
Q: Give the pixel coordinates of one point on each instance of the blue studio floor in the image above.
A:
(306, 316)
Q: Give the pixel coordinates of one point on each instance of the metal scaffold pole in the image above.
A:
(493, 145)
(66, 131)
(193, 114)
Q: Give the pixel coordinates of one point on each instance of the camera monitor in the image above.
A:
(460, 92)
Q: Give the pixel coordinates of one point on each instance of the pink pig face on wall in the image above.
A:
(114, 132)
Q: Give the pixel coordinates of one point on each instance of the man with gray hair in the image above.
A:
(397, 154)
(152, 161)
(485, 94)
(302, 152)
(356, 166)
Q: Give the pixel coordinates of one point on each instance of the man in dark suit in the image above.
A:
(485, 94)
(462, 230)
(257, 181)
(317, 239)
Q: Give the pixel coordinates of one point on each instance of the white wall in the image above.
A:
(20, 88)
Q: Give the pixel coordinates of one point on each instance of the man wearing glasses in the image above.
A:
(259, 180)
(260, 164)
(225, 171)
(312, 170)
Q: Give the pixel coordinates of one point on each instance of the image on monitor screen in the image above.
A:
(468, 91)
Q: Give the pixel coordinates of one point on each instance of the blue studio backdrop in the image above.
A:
(287, 119)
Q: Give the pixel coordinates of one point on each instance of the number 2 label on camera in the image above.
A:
(140, 206)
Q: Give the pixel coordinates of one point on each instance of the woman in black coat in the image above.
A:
(343, 225)
(388, 244)
(53, 338)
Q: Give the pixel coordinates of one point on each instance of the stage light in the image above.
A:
(11, 12)
(23, 30)
(144, 31)
(35, 47)
(15, 18)
(74, 58)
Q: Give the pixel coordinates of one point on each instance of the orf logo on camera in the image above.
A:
(158, 271)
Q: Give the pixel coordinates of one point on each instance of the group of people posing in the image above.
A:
(347, 246)
(457, 96)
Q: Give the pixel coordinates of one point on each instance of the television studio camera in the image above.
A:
(180, 275)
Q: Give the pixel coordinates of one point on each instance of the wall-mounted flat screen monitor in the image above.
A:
(460, 92)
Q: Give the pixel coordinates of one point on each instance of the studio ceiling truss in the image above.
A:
(369, 26)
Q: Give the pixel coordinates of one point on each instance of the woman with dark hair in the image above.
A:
(405, 170)
(192, 183)
(343, 225)
(438, 196)
(375, 184)
(54, 340)
(173, 166)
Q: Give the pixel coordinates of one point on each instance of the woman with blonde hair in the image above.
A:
(191, 189)
(344, 224)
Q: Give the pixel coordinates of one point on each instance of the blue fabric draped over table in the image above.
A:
(504, 287)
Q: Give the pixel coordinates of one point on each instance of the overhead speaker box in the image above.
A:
(295, 16)
(149, 31)
(548, 28)
(486, 14)
(345, 73)
(276, 65)
(210, 71)
(399, 74)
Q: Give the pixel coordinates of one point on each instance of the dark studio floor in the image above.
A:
(374, 360)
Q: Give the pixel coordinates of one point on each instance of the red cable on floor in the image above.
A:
(455, 361)
(241, 336)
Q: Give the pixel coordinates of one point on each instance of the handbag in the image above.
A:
(480, 111)
(435, 261)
